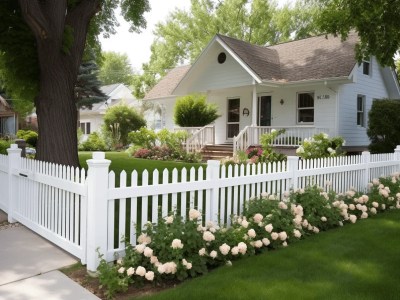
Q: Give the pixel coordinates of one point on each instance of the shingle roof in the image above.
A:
(311, 58)
(108, 89)
(168, 83)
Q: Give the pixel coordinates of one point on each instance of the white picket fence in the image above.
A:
(83, 215)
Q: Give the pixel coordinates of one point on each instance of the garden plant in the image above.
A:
(320, 145)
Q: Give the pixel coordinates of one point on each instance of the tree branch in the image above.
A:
(34, 17)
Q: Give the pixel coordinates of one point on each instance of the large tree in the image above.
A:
(115, 68)
(377, 23)
(184, 34)
(40, 54)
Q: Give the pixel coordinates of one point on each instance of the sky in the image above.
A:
(137, 46)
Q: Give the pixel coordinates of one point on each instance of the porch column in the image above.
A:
(254, 106)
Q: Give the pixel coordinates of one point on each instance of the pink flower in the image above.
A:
(242, 248)
(208, 236)
(235, 250)
(194, 214)
(282, 235)
(245, 224)
(148, 252)
(213, 254)
(353, 218)
(153, 259)
(140, 248)
(258, 218)
(274, 236)
(224, 249)
(266, 242)
(258, 244)
(144, 239)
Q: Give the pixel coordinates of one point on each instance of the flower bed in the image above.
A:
(177, 249)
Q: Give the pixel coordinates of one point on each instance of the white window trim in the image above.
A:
(84, 131)
(297, 108)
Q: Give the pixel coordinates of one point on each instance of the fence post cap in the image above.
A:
(397, 148)
(99, 155)
(215, 163)
(293, 158)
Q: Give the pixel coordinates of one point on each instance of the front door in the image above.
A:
(232, 125)
(264, 111)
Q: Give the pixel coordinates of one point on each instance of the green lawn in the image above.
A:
(360, 261)
(121, 161)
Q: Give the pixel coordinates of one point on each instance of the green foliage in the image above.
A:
(4, 145)
(320, 145)
(194, 111)
(269, 154)
(164, 145)
(115, 69)
(29, 136)
(377, 23)
(185, 33)
(127, 118)
(94, 142)
(384, 126)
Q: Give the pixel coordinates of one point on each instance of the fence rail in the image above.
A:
(83, 214)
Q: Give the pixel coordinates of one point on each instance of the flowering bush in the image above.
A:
(320, 145)
(176, 248)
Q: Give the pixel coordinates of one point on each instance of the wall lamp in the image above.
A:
(282, 101)
(246, 112)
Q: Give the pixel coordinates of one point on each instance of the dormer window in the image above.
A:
(366, 65)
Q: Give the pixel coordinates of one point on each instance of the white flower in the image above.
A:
(194, 214)
(235, 250)
(264, 194)
(119, 261)
(316, 229)
(352, 207)
(176, 244)
(153, 260)
(140, 271)
(266, 242)
(170, 267)
(251, 233)
(269, 228)
(144, 239)
(161, 269)
(296, 233)
(258, 244)
(208, 236)
(282, 205)
(364, 215)
(188, 266)
(383, 206)
(353, 218)
(274, 236)
(121, 270)
(212, 229)
(202, 252)
(305, 223)
(245, 224)
(229, 263)
(284, 244)
(224, 249)
(242, 248)
(324, 219)
(130, 271)
(300, 150)
(213, 254)
(373, 210)
(258, 218)
(148, 252)
(149, 275)
(169, 219)
(140, 248)
(282, 235)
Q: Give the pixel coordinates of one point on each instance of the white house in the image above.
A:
(8, 119)
(305, 86)
(91, 120)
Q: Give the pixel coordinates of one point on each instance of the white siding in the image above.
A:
(208, 74)
(372, 87)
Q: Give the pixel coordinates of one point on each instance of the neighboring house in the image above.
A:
(91, 120)
(8, 119)
(306, 86)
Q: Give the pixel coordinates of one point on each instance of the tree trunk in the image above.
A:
(57, 118)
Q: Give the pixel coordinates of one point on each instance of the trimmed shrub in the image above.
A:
(127, 118)
(194, 111)
(93, 143)
(29, 136)
(4, 145)
(384, 125)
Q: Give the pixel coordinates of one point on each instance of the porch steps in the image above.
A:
(217, 152)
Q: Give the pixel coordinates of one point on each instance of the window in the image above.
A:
(360, 110)
(305, 108)
(85, 127)
(366, 66)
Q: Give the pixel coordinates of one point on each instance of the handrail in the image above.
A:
(292, 137)
(200, 138)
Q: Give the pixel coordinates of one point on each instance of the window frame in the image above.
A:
(365, 62)
(85, 127)
(298, 109)
(361, 112)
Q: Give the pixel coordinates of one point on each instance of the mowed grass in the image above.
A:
(121, 161)
(360, 261)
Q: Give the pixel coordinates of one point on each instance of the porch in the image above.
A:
(202, 137)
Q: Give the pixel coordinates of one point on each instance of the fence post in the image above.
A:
(97, 209)
(213, 167)
(366, 159)
(14, 162)
(397, 154)
(293, 167)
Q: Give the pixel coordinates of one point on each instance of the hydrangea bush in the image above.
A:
(320, 145)
(175, 248)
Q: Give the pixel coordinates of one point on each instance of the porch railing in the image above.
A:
(292, 137)
(199, 138)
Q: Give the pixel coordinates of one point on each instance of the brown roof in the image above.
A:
(168, 83)
(311, 58)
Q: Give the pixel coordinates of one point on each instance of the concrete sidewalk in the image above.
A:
(28, 265)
